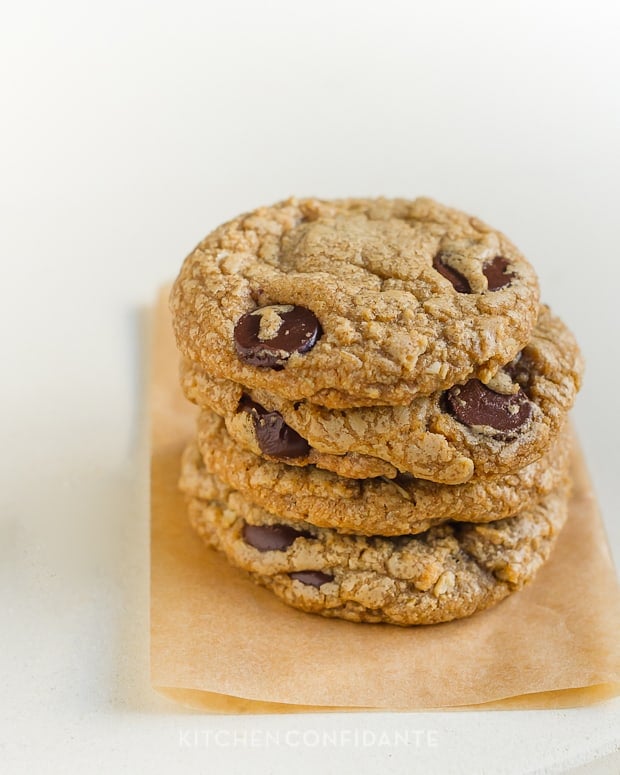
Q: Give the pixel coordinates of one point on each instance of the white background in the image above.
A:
(127, 131)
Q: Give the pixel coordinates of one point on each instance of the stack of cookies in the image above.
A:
(382, 434)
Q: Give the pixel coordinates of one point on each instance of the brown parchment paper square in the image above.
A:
(220, 643)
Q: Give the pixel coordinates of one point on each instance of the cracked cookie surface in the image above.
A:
(449, 572)
(365, 506)
(430, 438)
(354, 302)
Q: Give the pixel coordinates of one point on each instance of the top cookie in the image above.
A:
(354, 302)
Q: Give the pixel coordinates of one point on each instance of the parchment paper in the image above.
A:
(222, 644)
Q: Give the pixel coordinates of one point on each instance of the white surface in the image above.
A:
(128, 131)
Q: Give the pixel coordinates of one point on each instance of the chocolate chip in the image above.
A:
(520, 370)
(475, 404)
(495, 272)
(268, 336)
(273, 435)
(313, 578)
(456, 278)
(271, 538)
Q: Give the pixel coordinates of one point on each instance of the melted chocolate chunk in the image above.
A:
(495, 272)
(313, 578)
(271, 538)
(456, 278)
(475, 404)
(288, 330)
(273, 435)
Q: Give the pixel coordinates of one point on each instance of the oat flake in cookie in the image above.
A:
(354, 302)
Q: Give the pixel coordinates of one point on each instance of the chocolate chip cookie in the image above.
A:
(489, 429)
(447, 572)
(365, 506)
(356, 302)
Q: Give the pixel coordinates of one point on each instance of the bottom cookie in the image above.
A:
(448, 572)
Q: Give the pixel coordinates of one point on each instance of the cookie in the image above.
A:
(445, 437)
(355, 302)
(265, 433)
(448, 572)
(364, 506)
